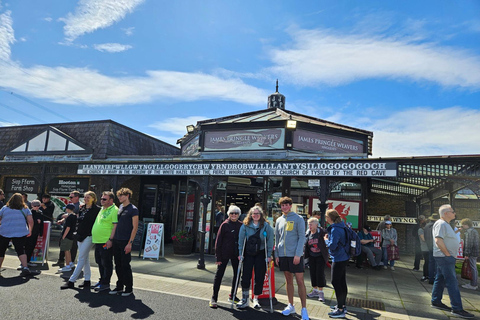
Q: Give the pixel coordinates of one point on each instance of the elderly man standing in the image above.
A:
(103, 231)
(445, 248)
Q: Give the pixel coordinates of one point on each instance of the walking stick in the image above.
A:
(266, 262)
(238, 273)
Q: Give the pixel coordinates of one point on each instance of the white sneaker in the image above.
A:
(385, 267)
(290, 309)
(469, 286)
(65, 269)
(392, 268)
(313, 294)
(256, 304)
(305, 314)
(321, 296)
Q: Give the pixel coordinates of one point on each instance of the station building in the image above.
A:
(242, 159)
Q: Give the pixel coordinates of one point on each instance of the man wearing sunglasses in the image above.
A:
(103, 231)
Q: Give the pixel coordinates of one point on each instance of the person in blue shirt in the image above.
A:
(374, 255)
(336, 239)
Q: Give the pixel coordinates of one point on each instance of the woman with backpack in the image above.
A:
(252, 234)
(336, 241)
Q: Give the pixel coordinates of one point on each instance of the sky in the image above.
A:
(409, 71)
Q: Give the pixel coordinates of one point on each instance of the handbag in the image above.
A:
(466, 270)
(393, 253)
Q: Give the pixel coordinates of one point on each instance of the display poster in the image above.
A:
(39, 254)
(27, 185)
(154, 242)
(191, 148)
(349, 210)
(265, 292)
(325, 143)
(67, 185)
(139, 239)
(190, 211)
(236, 140)
(377, 237)
(357, 168)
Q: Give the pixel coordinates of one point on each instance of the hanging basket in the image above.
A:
(182, 248)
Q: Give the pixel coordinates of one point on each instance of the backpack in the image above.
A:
(252, 246)
(353, 245)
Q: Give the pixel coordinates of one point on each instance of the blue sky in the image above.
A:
(407, 70)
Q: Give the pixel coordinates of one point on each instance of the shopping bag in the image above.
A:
(393, 253)
(466, 270)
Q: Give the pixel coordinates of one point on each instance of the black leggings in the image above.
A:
(19, 244)
(249, 263)
(219, 276)
(317, 271)
(426, 261)
(339, 282)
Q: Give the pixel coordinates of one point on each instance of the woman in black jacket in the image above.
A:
(225, 250)
(86, 218)
(37, 230)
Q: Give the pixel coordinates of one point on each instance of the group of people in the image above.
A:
(109, 228)
(248, 245)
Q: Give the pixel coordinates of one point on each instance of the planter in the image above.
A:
(182, 248)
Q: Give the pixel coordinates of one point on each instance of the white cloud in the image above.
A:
(48, 19)
(176, 126)
(7, 36)
(112, 47)
(425, 131)
(323, 57)
(128, 31)
(89, 87)
(91, 15)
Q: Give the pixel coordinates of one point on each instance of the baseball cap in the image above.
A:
(70, 206)
(388, 222)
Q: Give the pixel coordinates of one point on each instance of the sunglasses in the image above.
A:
(104, 199)
(236, 213)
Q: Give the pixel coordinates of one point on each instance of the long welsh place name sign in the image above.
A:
(327, 169)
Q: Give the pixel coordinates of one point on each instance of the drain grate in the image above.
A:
(370, 304)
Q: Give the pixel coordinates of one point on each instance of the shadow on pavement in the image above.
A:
(115, 303)
(17, 280)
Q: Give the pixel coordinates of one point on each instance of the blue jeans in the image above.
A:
(385, 258)
(446, 277)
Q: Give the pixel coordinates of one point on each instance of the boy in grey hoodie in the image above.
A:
(289, 242)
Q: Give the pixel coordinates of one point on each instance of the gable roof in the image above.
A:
(102, 139)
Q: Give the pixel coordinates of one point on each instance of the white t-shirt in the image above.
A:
(441, 229)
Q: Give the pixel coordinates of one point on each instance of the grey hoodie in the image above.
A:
(289, 235)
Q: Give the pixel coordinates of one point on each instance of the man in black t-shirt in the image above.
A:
(122, 242)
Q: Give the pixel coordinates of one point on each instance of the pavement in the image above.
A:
(383, 294)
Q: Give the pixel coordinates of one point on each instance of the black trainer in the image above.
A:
(441, 306)
(463, 314)
(68, 285)
(116, 291)
(86, 284)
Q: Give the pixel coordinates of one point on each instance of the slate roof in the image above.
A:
(106, 138)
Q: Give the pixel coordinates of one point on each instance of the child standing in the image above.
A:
(67, 236)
